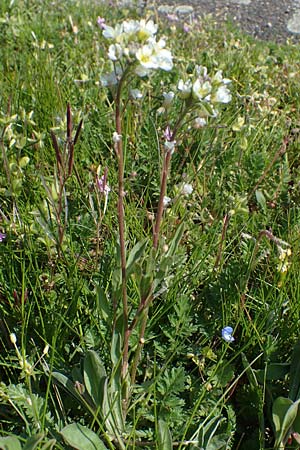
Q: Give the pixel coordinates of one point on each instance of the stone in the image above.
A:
(241, 2)
(293, 24)
(184, 9)
(165, 9)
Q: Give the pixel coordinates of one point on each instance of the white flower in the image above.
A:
(200, 122)
(146, 30)
(184, 88)
(116, 137)
(113, 33)
(284, 253)
(153, 55)
(170, 146)
(115, 52)
(166, 201)
(147, 57)
(217, 78)
(168, 99)
(201, 90)
(201, 71)
(283, 267)
(187, 189)
(136, 94)
(131, 27)
(102, 185)
(165, 59)
(222, 95)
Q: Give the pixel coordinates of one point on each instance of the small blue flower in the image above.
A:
(2, 236)
(227, 334)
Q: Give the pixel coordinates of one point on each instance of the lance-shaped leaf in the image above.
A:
(94, 376)
(81, 437)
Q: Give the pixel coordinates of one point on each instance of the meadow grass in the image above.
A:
(227, 253)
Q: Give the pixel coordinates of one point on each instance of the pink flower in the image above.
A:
(168, 134)
(101, 23)
(102, 185)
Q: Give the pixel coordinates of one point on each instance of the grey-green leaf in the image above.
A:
(164, 436)
(66, 383)
(94, 376)
(33, 441)
(261, 200)
(10, 443)
(135, 254)
(103, 303)
(284, 413)
(174, 244)
(295, 373)
(49, 445)
(217, 443)
(81, 438)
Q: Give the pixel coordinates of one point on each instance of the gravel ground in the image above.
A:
(264, 19)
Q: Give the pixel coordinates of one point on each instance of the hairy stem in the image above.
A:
(121, 221)
(164, 177)
(163, 188)
(145, 303)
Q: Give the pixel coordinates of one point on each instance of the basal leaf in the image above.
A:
(112, 407)
(284, 413)
(103, 304)
(66, 383)
(10, 443)
(295, 373)
(218, 442)
(49, 445)
(81, 438)
(94, 376)
(33, 441)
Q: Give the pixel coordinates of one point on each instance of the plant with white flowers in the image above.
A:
(204, 92)
(134, 44)
(135, 51)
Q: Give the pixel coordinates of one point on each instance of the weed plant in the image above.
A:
(149, 234)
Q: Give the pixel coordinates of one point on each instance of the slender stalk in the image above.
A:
(121, 221)
(226, 220)
(164, 177)
(140, 345)
(163, 188)
(146, 302)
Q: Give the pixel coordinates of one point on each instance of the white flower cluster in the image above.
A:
(135, 42)
(205, 89)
